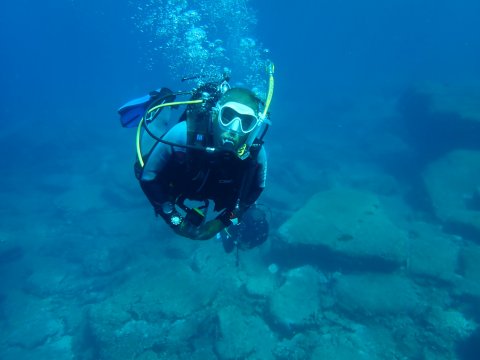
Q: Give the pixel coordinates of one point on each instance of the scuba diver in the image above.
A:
(214, 152)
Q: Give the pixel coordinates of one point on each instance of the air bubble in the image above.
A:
(204, 37)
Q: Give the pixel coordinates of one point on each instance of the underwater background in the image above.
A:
(373, 187)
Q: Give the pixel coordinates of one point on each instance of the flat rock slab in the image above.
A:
(454, 188)
(346, 222)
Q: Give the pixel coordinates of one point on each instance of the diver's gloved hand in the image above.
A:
(203, 232)
(186, 229)
(210, 229)
(190, 225)
(193, 225)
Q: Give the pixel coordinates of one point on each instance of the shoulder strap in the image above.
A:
(255, 149)
(248, 176)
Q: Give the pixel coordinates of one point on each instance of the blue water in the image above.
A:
(343, 74)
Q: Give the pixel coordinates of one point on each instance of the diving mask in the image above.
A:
(237, 117)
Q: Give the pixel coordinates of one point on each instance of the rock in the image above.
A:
(66, 280)
(439, 119)
(297, 302)
(358, 342)
(344, 350)
(35, 329)
(299, 347)
(453, 185)
(58, 350)
(262, 285)
(82, 196)
(243, 335)
(450, 326)
(258, 280)
(366, 295)
(127, 340)
(105, 260)
(432, 254)
(462, 100)
(344, 341)
(41, 327)
(149, 355)
(207, 258)
(469, 269)
(160, 307)
(347, 224)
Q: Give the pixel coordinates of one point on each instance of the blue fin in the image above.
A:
(132, 112)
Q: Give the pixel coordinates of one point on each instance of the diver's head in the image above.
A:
(237, 121)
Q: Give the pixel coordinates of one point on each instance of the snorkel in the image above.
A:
(218, 88)
(263, 122)
(270, 69)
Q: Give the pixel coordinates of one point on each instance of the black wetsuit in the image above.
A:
(171, 172)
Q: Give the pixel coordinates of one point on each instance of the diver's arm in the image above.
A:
(157, 193)
(157, 196)
(151, 176)
(150, 181)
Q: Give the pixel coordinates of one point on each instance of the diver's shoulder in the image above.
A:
(178, 133)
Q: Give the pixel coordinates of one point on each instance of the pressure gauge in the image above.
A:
(175, 220)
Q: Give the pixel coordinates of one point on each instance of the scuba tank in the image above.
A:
(152, 115)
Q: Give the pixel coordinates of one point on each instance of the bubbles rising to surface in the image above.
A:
(203, 37)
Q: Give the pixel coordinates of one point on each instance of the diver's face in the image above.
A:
(228, 138)
(234, 123)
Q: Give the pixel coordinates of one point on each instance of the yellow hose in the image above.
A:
(140, 124)
(137, 141)
(188, 102)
